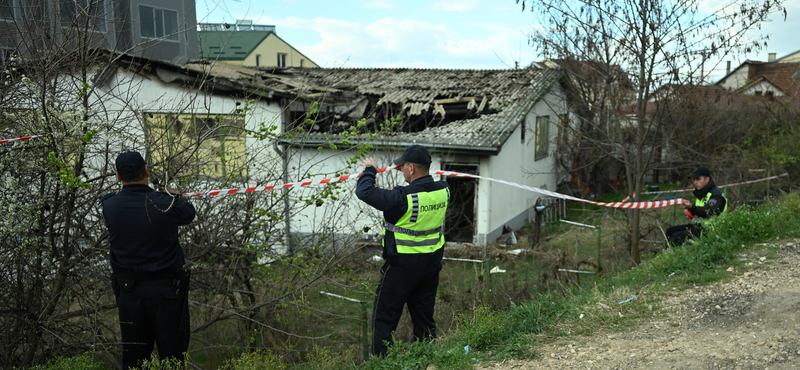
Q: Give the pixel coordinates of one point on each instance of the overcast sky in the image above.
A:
(425, 34)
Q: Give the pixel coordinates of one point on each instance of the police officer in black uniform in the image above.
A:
(709, 205)
(413, 245)
(147, 263)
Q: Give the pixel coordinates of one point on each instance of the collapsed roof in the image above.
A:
(458, 110)
(468, 110)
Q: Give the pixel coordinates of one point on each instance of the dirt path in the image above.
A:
(748, 322)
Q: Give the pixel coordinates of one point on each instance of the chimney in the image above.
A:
(771, 57)
(728, 69)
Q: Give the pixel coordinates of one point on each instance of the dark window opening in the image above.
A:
(83, 13)
(542, 136)
(281, 60)
(459, 222)
(7, 9)
(158, 23)
(340, 119)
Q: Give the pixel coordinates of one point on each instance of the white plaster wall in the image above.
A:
(499, 204)
(737, 79)
(123, 100)
(348, 214)
(763, 87)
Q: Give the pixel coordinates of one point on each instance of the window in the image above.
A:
(281, 60)
(258, 60)
(83, 13)
(158, 23)
(522, 130)
(5, 54)
(563, 126)
(541, 145)
(302, 63)
(196, 145)
(7, 9)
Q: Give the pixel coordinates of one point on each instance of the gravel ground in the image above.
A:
(748, 322)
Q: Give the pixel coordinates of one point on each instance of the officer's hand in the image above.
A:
(172, 191)
(686, 204)
(368, 162)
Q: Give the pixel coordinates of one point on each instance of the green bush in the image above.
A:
(261, 360)
(719, 246)
(81, 362)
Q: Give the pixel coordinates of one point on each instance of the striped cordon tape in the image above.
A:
(720, 186)
(626, 205)
(3, 141)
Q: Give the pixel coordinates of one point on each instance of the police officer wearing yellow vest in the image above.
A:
(709, 205)
(413, 245)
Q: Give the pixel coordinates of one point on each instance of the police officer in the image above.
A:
(413, 245)
(709, 205)
(147, 264)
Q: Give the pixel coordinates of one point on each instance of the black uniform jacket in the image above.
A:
(715, 204)
(394, 205)
(143, 229)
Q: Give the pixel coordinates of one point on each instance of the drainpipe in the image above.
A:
(286, 203)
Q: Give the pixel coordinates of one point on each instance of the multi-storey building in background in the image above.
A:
(164, 30)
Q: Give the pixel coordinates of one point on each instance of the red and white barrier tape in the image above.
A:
(273, 187)
(3, 141)
(720, 186)
(626, 205)
(692, 189)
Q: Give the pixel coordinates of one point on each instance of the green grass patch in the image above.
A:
(486, 334)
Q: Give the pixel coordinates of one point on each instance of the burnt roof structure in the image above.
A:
(445, 109)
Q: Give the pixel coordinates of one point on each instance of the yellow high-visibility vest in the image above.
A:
(419, 230)
(709, 221)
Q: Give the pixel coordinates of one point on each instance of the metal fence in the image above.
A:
(555, 209)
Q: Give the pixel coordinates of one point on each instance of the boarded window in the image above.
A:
(200, 146)
(542, 135)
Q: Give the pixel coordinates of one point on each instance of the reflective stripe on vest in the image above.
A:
(709, 221)
(419, 230)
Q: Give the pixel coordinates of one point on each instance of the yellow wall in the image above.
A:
(792, 58)
(269, 50)
(207, 146)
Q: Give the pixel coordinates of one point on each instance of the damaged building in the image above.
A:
(493, 123)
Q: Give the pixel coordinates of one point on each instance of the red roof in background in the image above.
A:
(710, 94)
(785, 76)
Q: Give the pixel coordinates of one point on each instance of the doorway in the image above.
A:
(459, 222)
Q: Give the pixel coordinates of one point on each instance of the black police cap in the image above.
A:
(701, 171)
(129, 162)
(415, 154)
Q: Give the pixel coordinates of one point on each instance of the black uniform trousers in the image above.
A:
(152, 312)
(677, 235)
(399, 286)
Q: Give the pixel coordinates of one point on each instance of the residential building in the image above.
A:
(494, 123)
(250, 45)
(158, 30)
(790, 58)
(775, 78)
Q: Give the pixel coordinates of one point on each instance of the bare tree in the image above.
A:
(656, 43)
(93, 103)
